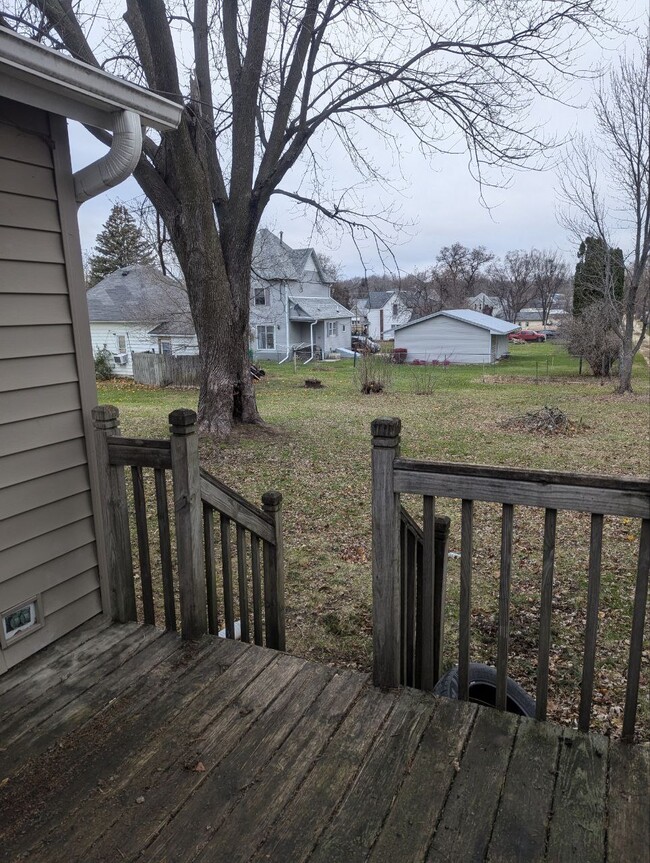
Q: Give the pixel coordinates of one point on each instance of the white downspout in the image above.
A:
(117, 164)
(284, 359)
(311, 340)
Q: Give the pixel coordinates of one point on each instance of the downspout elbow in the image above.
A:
(117, 164)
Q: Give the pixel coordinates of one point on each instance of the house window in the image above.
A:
(121, 344)
(395, 310)
(165, 346)
(332, 328)
(261, 296)
(265, 338)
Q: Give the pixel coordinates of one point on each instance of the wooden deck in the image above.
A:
(123, 743)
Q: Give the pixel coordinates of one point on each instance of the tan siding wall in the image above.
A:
(40, 401)
(47, 541)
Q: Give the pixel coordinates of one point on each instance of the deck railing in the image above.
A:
(597, 495)
(197, 497)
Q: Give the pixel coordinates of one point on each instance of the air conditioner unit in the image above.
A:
(120, 359)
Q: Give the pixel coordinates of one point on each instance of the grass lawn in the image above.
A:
(316, 451)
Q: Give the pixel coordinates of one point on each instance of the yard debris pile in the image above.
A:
(547, 420)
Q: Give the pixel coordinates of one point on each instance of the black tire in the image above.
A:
(483, 689)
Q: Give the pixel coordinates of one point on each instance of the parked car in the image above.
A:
(527, 336)
(549, 334)
(364, 345)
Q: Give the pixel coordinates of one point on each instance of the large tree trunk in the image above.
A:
(218, 293)
(626, 357)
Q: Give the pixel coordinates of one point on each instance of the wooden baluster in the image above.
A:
(243, 585)
(210, 573)
(140, 509)
(636, 638)
(591, 627)
(548, 565)
(465, 615)
(189, 527)
(385, 551)
(426, 598)
(403, 533)
(115, 518)
(440, 551)
(504, 605)
(274, 613)
(257, 590)
(166, 566)
(411, 582)
(226, 567)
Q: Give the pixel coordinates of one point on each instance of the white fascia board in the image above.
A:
(39, 76)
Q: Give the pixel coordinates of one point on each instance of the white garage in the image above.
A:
(455, 336)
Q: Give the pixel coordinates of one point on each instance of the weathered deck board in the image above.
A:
(294, 836)
(352, 832)
(147, 748)
(25, 720)
(577, 830)
(474, 796)
(628, 836)
(262, 803)
(524, 810)
(426, 784)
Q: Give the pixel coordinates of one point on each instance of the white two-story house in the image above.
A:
(292, 309)
(384, 310)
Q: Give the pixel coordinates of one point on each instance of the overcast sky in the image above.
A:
(435, 199)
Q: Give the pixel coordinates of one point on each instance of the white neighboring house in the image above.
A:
(486, 305)
(455, 336)
(138, 309)
(291, 304)
(384, 310)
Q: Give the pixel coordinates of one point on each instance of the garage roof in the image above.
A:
(495, 325)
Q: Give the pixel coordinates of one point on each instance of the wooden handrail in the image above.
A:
(512, 474)
(582, 493)
(228, 502)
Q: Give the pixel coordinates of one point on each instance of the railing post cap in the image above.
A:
(182, 418)
(386, 427)
(105, 415)
(271, 500)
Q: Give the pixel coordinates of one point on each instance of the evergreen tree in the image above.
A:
(600, 274)
(119, 244)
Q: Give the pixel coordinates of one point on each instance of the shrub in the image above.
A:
(374, 372)
(103, 365)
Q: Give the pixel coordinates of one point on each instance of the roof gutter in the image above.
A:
(118, 164)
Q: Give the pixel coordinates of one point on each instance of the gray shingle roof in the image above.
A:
(378, 299)
(478, 319)
(143, 295)
(317, 308)
(272, 259)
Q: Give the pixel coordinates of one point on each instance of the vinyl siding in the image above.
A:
(47, 541)
(138, 340)
(442, 338)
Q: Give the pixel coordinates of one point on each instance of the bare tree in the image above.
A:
(513, 282)
(607, 188)
(267, 84)
(550, 277)
(457, 272)
(155, 232)
(591, 336)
